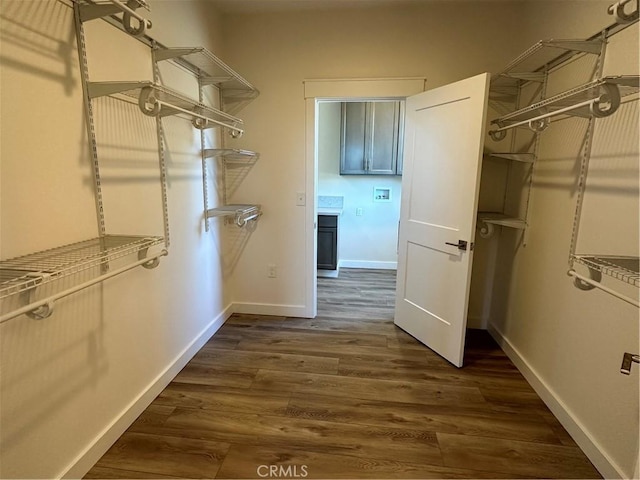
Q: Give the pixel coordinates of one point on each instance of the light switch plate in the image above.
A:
(300, 199)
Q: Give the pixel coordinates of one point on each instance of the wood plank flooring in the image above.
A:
(344, 395)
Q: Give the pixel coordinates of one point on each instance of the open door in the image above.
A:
(444, 139)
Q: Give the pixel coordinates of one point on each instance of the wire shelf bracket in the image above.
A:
(93, 10)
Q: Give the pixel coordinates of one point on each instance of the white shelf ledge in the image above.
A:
(210, 70)
(230, 155)
(154, 99)
(21, 276)
(23, 273)
(487, 221)
(531, 65)
(517, 157)
(623, 268)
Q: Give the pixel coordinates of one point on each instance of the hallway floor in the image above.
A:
(344, 395)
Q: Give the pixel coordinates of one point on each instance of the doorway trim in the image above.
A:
(316, 90)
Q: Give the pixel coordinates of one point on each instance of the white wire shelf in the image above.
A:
(241, 213)
(598, 98)
(92, 9)
(230, 155)
(211, 71)
(517, 157)
(154, 99)
(501, 219)
(23, 273)
(531, 65)
(623, 268)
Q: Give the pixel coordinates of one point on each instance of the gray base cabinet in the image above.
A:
(327, 242)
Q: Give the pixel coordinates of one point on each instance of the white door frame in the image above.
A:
(336, 90)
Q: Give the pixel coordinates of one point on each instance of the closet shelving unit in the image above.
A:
(505, 94)
(21, 277)
(235, 92)
(598, 98)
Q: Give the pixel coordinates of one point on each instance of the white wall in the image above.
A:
(369, 240)
(279, 50)
(77, 375)
(568, 341)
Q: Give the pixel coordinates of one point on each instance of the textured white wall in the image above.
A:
(67, 378)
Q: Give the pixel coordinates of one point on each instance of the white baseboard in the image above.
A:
(271, 309)
(328, 273)
(368, 264)
(103, 441)
(591, 448)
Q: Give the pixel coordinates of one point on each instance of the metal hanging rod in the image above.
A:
(152, 97)
(241, 213)
(599, 98)
(46, 305)
(617, 10)
(598, 285)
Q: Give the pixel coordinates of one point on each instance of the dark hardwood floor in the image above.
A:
(344, 395)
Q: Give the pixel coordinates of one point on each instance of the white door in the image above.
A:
(444, 138)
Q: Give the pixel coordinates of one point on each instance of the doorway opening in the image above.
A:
(326, 97)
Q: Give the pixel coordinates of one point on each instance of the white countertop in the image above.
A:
(329, 211)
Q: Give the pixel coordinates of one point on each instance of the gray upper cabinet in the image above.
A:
(371, 139)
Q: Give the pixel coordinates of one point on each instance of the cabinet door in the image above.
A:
(327, 248)
(382, 146)
(352, 155)
(327, 242)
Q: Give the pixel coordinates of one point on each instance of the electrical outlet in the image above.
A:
(272, 271)
(358, 212)
(300, 199)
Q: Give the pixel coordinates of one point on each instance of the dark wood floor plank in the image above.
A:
(514, 457)
(274, 361)
(244, 461)
(418, 371)
(99, 472)
(155, 454)
(221, 399)
(339, 386)
(214, 375)
(447, 419)
(401, 444)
